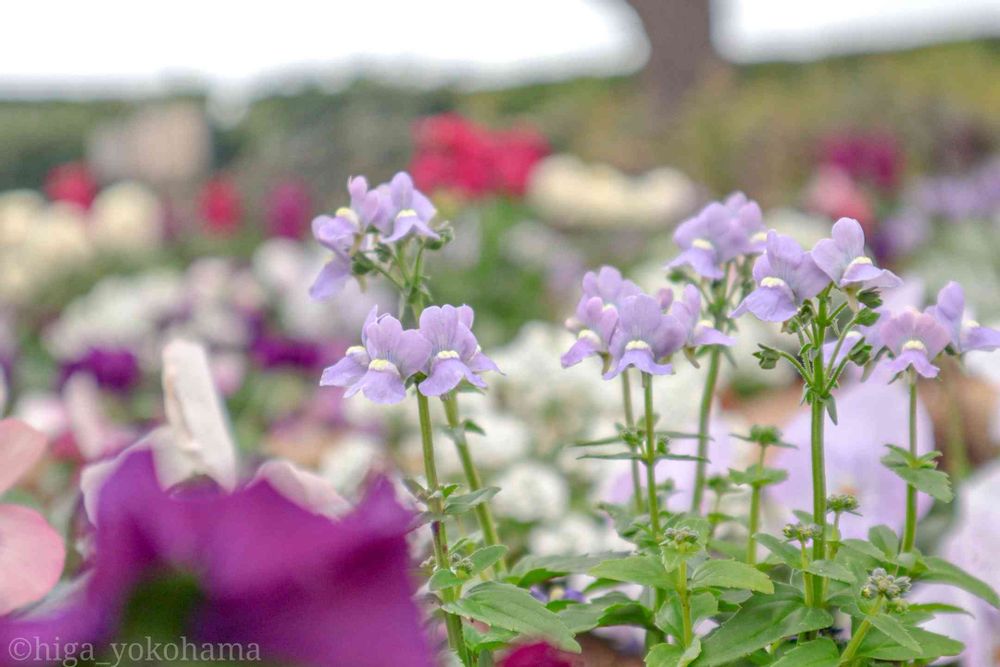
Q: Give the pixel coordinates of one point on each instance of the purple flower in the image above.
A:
(749, 219)
(843, 259)
(115, 369)
(594, 324)
(786, 276)
(965, 333)
(644, 336)
(380, 366)
(609, 286)
(454, 353)
(718, 234)
(699, 332)
(914, 339)
(410, 211)
(304, 589)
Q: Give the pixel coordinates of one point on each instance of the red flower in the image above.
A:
(875, 159)
(289, 209)
(71, 182)
(221, 205)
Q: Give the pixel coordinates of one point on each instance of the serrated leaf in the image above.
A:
(643, 570)
(895, 630)
(761, 621)
(885, 540)
(938, 569)
(669, 619)
(731, 574)
(920, 473)
(817, 653)
(672, 655)
(505, 606)
(830, 570)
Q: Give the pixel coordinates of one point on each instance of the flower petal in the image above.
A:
(21, 447)
(383, 387)
(446, 374)
(771, 304)
(32, 555)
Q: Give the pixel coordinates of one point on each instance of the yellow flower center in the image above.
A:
(771, 281)
(354, 349)
(861, 260)
(913, 344)
(447, 354)
(758, 237)
(637, 345)
(970, 324)
(702, 244)
(589, 335)
(383, 365)
(344, 212)
(406, 213)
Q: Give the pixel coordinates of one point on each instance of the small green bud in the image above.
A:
(881, 583)
(867, 317)
(870, 298)
(801, 532)
(842, 502)
(681, 539)
(767, 358)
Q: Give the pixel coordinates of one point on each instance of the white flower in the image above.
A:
(347, 463)
(531, 491)
(575, 534)
(126, 218)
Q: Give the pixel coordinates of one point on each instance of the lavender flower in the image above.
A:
(340, 232)
(914, 339)
(750, 219)
(410, 211)
(454, 353)
(718, 234)
(786, 276)
(609, 286)
(594, 323)
(699, 332)
(380, 366)
(843, 259)
(966, 334)
(645, 335)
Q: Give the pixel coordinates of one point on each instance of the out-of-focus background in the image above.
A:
(160, 164)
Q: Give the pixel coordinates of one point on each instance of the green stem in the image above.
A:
(754, 524)
(910, 532)
(808, 581)
(682, 591)
(654, 503)
(472, 478)
(453, 623)
(704, 417)
(630, 427)
(816, 446)
(859, 636)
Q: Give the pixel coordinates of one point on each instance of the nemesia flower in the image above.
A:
(608, 284)
(32, 553)
(688, 312)
(454, 352)
(786, 276)
(643, 337)
(380, 366)
(843, 259)
(749, 218)
(915, 339)
(965, 333)
(301, 588)
(594, 323)
(410, 211)
(718, 234)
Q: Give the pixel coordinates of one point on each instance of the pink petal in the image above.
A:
(20, 448)
(32, 555)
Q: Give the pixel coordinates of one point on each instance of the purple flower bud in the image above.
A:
(454, 353)
(409, 210)
(609, 285)
(698, 331)
(965, 333)
(843, 259)
(380, 366)
(645, 335)
(786, 276)
(719, 233)
(914, 339)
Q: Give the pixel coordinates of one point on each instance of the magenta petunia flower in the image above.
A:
(454, 352)
(644, 337)
(387, 357)
(786, 276)
(409, 210)
(914, 339)
(965, 333)
(688, 312)
(718, 234)
(843, 259)
(303, 588)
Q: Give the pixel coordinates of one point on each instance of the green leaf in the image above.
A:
(831, 570)
(505, 606)
(895, 630)
(672, 655)
(762, 620)
(938, 569)
(486, 557)
(731, 574)
(885, 540)
(817, 653)
(491, 640)
(782, 550)
(669, 619)
(863, 548)
(444, 579)
(931, 646)
(534, 569)
(756, 475)
(643, 570)
(921, 473)
(463, 503)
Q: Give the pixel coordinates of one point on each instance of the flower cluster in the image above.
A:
(443, 351)
(720, 233)
(881, 583)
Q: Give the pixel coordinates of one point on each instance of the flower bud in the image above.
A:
(842, 502)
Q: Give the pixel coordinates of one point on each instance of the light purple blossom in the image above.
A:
(717, 235)
(914, 339)
(645, 336)
(454, 353)
(750, 219)
(594, 323)
(380, 366)
(965, 333)
(608, 284)
(410, 211)
(699, 332)
(843, 259)
(786, 276)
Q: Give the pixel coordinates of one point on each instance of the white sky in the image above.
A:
(73, 48)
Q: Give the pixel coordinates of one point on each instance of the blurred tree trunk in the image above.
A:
(681, 50)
